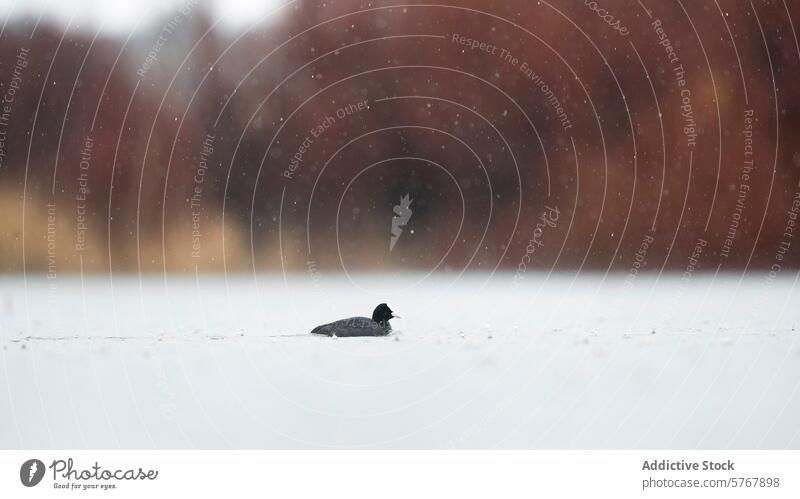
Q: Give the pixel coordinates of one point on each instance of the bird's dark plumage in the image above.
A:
(378, 325)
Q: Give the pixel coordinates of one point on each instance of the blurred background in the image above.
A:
(336, 135)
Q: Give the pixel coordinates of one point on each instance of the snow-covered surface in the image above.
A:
(476, 362)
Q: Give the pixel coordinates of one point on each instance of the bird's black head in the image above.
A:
(383, 313)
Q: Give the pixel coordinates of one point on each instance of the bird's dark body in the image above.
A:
(354, 326)
(359, 326)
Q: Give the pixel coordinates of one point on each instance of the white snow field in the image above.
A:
(558, 361)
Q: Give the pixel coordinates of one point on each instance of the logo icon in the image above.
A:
(31, 472)
(402, 214)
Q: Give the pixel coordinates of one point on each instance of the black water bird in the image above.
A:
(378, 325)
